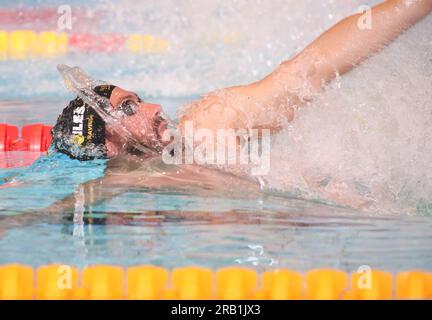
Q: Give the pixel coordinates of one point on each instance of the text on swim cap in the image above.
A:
(78, 117)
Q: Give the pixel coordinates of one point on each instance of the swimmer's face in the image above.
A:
(143, 120)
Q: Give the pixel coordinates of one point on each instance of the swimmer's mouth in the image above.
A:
(160, 124)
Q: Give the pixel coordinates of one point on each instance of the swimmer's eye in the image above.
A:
(128, 107)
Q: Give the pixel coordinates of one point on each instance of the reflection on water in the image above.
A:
(184, 227)
(301, 237)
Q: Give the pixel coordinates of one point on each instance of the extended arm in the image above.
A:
(268, 103)
(357, 37)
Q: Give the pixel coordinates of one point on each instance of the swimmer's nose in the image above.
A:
(150, 110)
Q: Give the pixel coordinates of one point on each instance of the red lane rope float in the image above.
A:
(8, 134)
(18, 151)
(38, 137)
(39, 19)
(107, 42)
(15, 16)
(34, 137)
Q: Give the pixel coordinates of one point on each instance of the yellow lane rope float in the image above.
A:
(27, 44)
(233, 283)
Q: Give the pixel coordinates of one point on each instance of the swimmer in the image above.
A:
(81, 133)
(267, 103)
(264, 104)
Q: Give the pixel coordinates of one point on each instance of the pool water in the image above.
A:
(172, 228)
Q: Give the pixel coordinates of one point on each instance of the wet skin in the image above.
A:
(143, 120)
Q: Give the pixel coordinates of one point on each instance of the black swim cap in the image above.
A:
(80, 131)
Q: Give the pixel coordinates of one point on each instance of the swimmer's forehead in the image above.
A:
(119, 95)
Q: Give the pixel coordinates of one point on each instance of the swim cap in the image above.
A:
(80, 131)
(104, 90)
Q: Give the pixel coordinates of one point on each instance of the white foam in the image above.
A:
(366, 141)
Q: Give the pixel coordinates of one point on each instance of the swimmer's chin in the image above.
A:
(153, 142)
(154, 148)
(160, 127)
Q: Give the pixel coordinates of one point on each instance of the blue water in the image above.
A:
(172, 228)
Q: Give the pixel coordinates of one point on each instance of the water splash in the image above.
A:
(366, 141)
(82, 84)
(212, 43)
